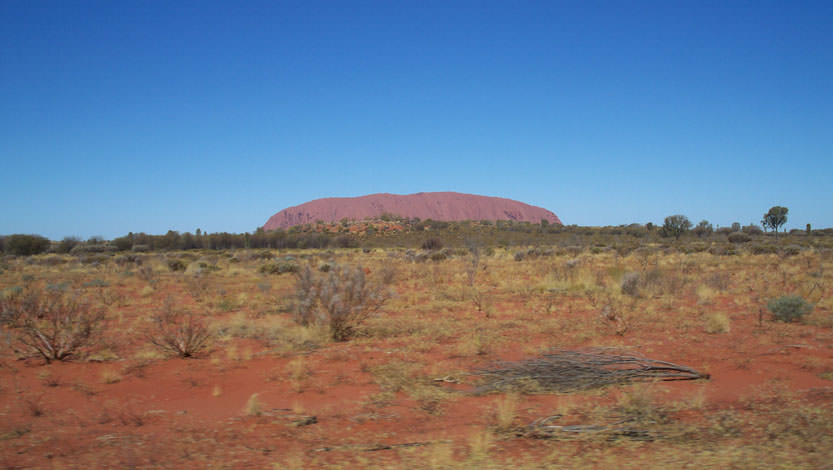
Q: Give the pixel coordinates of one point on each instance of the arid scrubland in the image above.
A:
(351, 358)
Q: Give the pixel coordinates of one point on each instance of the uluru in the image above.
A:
(445, 206)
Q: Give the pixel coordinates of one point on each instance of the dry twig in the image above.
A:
(566, 371)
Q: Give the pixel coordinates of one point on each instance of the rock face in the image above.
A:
(446, 206)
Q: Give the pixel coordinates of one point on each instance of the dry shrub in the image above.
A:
(179, 332)
(718, 281)
(631, 283)
(51, 323)
(342, 298)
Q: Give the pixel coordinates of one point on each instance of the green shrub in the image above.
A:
(67, 244)
(739, 237)
(789, 308)
(675, 226)
(93, 248)
(25, 245)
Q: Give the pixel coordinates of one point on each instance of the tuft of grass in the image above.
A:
(477, 343)
(506, 409)
(718, 322)
(111, 376)
(705, 294)
(299, 373)
(253, 406)
(480, 444)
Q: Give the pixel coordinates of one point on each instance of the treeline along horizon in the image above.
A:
(408, 233)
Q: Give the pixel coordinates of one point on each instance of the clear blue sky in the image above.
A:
(120, 116)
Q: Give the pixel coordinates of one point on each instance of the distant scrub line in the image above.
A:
(677, 232)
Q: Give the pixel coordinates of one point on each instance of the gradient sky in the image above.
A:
(121, 116)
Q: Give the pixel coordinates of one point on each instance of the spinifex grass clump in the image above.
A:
(567, 371)
(789, 308)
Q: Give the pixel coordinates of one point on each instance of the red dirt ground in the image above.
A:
(187, 413)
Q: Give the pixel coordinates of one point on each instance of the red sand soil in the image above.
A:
(447, 206)
(187, 413)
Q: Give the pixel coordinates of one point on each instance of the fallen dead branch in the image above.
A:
(543, 429)
(567, 371)
(375, 447)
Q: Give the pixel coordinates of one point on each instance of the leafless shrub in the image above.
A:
(719, 281)
(53, 324)
(146, 273)
(341, 299)
(197, 287)
(387, 274)
(33, 405)
(179, 332)
(482, 301)
(630, 284)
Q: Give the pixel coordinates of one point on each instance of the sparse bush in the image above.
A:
(26, 245)
(67, 244)
(179, 332)
(439, 255)
(739, 237)
(789, 308)
(703, 229)
(84, 248)
(176, 265)
(630, 284)
(346, 241)
(759, 249)
(279, 268)
(54, 323)
(752, 229)
(342, 299)
(719, 280)
(789, 250)
(532, 253)
(432, 244)
(723, 250)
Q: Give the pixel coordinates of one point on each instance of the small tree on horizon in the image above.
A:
(703, 229)
(675, 226)
(776, 217)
